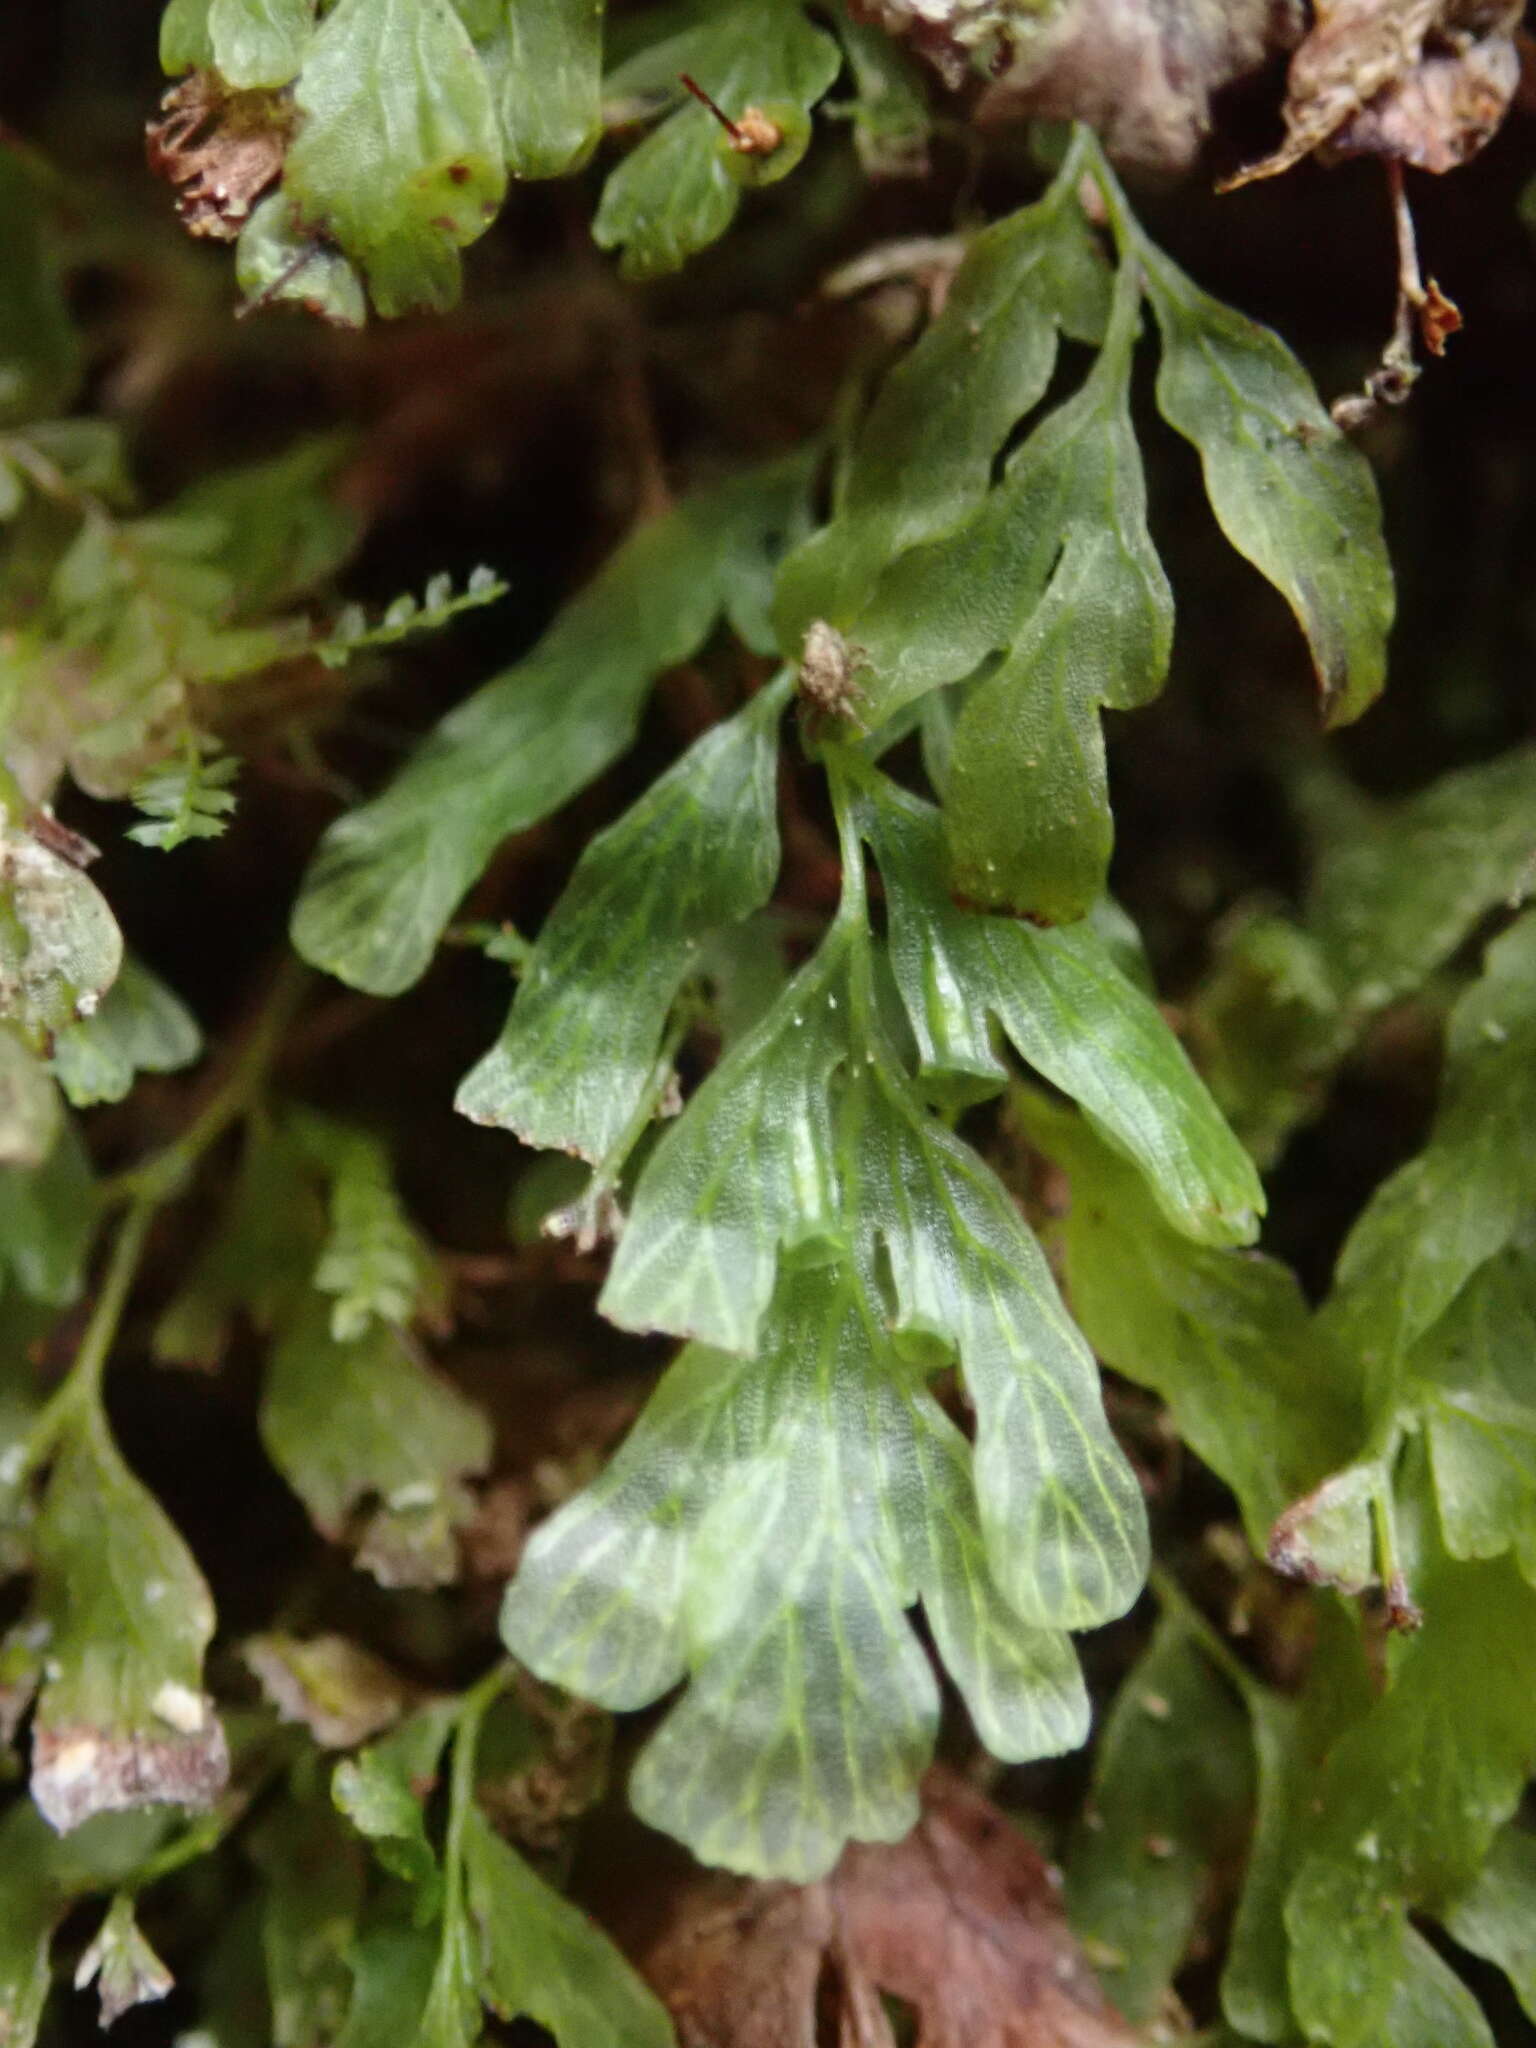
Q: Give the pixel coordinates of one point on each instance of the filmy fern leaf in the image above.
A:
(352, 633)
(187, 798)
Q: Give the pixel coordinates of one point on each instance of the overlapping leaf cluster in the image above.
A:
(393, 129)
(1382, 1440)
(810, 1225)
(883, 1418)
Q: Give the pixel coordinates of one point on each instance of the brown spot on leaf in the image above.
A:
(220, 149)
(960, 1923)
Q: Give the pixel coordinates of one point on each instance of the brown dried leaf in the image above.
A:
(79, 1771)
(220, 149)
(341, 1692)
(960, 1922)
(1439, 318)
(1423, 81)
(1441, 113)
(1142, 73)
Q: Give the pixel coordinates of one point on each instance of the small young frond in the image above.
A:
(186, 798)
(352, 633)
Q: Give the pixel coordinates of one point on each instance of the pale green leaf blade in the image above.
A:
(382, 1791)
(187, 797)
(678, 190)
(1225, 1338)
(812, 1709)
(1431, 2007)
(545, 64)
(30, 1110)
(48, 1218)
(277, 262)
(746, 1172)
(60, 948)
(1395, 889)
(1400, 887)
(1454, 1205)
(375, 1444)
(1021, 1683)
(256, 42)
(698, 851)
(398, 156)
(1413, 1795)
(891, 120)
(1291, 492)
(1061, 1510)
(1495, 1917)
(1026, 802)
(762, 1531)
(1470, 1379)
(405, 616)
(451, 2017)
(544, 1960)
(597, 1602)
(1071, 1012)
(142, 1027)
(923, 457)
(373, 1264)
(185, 42)
(940, 610)
(122, 1719)
(391, 1978)
(1172, 1788)
(387, 876)
(1291, 1738)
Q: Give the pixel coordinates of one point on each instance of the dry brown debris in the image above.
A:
(1423, 82)
(960, 1923)
(1142, 73)
(220, 149)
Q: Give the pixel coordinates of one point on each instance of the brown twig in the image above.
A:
(755, 134)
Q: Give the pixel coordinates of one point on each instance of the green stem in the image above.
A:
(163, 1175)
(853, 909)
(476, 1704)
(448, 1987)
(145, 1191)
(81, 1389)
(1175, 1602)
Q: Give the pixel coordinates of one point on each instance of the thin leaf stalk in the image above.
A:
(144, 1191)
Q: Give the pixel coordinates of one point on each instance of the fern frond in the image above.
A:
(352, 633)
(186, 798)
